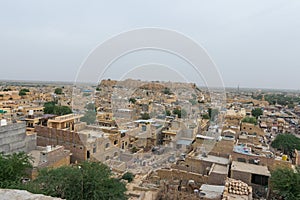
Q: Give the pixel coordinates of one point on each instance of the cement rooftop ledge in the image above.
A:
(7, 194)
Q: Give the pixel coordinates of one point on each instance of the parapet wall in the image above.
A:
(171, 174)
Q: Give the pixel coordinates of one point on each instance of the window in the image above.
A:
(115, 142)
(94, 150)
(107, 145)
(241, 160)
(259, 179)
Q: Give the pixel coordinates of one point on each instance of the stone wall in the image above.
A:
(69, 139)
(243, 176)
(171, 174)
(30, 142)
(12, 138)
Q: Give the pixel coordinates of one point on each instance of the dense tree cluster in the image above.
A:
(52, 108)
(286, 183)
(256, 112)
(286, 142)
(58, 91)
(87, 181)
(281, 99)
(13, 168)
(23, 91)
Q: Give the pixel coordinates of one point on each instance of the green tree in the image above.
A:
(62, 110)
(291, 106)
(128, 176)
(251, 120)
(132, 100)
(58, 91)
(89, 117)
(256, 112)
(13, 168)
(168, 113)
(23, 91)
(286, 142)
(51, 108)
(145, 116)
(88, 181)
(212, 113)
(286, 183)
(177, 112)
(183, 113)
(167, 91)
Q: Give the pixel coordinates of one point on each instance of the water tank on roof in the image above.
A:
(3, 122)
(284, 157)
(48, 148)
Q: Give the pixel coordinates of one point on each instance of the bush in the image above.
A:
(251, 120)
(132, 100)
(145, 116)
(128, 176)
(58, 91)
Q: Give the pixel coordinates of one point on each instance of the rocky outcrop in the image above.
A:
(6, 194)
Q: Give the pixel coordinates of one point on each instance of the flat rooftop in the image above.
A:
(220, 169)
(93, 133)
(212, 191)
(214, 159)
(250, 168)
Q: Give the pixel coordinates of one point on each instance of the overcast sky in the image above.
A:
(254, 43)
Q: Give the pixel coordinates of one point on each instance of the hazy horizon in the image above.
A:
(253, 43)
